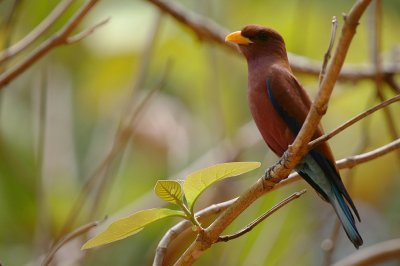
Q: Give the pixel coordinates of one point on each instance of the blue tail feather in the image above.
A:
(346, 218)
(323, 177)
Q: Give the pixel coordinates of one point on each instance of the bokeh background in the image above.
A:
(60, 120)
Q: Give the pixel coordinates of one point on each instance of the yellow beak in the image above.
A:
(237, 37)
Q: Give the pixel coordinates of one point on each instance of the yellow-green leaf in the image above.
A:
(169, 190)
(197, 182)
(130, 225)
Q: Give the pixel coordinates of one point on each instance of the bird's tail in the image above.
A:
(346, 217)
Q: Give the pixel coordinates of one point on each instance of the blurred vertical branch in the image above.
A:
(127, 128)
(376, 43)
(93, 193)
(41, 232)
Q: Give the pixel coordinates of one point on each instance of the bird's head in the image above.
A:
(256, 41)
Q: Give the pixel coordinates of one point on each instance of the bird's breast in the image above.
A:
(273, 129)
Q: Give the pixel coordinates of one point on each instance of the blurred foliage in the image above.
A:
(86, 87)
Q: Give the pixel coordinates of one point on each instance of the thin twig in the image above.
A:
(327, 55)
(352, 121)
(83, 34)
(78, 232)
(253, 224)
(57, 12)
(59, 38)
(352, 161)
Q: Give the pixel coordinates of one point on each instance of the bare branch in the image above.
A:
(83, 34)
(373, 255)
(352, 161)
(57, 39)
(58, 11)
(179, 228)
(253, 224)
(352, 121)
(207, 30)
(327, 55)
(294, 177)
(78, 232)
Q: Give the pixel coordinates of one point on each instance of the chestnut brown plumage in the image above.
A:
(279, 106)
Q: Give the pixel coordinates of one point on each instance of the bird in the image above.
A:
(279, 106)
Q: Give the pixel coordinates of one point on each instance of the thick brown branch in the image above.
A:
(179, 228)
(57, 39)
(207, 30)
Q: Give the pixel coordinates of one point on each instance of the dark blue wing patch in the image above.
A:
(293, 125)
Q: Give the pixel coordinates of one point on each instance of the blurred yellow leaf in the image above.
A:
(130, 225)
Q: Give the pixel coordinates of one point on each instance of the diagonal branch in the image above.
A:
(348, 162)
(253, 224)
(352, 121)
(59, 38)
(58, 11)
(295, 152)
(209, 31)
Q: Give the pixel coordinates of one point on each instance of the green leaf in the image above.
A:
(197, 182)
(130, 225)
(169, 190)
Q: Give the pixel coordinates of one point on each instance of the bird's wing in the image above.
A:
(292, 103)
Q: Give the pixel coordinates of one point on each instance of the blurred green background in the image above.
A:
(60, 118)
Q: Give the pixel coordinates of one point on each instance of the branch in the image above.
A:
(83, 34)
(351, 161)
(294, 153)
(179, 228)
(253, 224)
(348, 162)
(327, 55)
(373, 255)
(78, 232)
(37, 32)
(59, 38)
(352, 121)
(209, 31)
